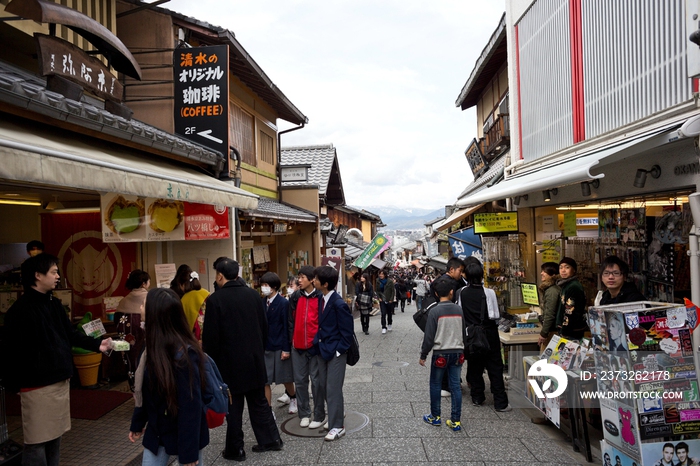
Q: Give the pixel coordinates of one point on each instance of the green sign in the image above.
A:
(530, 296)
(496, 222)
(570, 224)
(372, 251)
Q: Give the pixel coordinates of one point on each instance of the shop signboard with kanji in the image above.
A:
(496, 222)
(201, 95)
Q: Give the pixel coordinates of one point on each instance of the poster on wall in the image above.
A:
(137, 219)
(93, 269)
(608, 225)
(633, 224)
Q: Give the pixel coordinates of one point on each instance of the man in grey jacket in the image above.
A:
(444, 336)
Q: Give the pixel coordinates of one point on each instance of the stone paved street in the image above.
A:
(392, 396)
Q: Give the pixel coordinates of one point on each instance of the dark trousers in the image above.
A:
(364, 320)
(403, 304)
(261, 419)
(42, 454)
(387, 313)
(493, 363)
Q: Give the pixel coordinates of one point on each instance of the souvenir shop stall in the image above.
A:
(503, 247)
(646, 349)
(650, 235)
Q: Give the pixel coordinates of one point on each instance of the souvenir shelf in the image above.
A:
(504, 269)
(645, 349)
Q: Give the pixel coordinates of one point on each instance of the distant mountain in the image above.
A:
(396, 218)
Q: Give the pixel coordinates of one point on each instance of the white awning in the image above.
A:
(457, 216)
(572, 170)
(57, 160)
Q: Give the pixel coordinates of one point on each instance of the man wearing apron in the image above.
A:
(39, 364)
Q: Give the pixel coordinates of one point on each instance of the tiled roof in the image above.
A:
(362, 212)
(21, 89)
(495, 169)
(323, 160)
(270, 208)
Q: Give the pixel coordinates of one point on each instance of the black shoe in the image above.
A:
(478, 403)
(239, 456)
(366, 332)
(274, 446)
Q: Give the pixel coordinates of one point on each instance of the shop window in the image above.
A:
(267, 148)
(242, 136)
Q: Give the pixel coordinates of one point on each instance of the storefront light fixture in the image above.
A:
(629, 205)
(516, 199)
(640, 178)
(548, 193)
(586, 187)
(19, 202)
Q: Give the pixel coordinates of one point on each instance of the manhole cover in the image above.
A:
(354, 422)
(390, 364)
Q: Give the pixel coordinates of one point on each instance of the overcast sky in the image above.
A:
(377, 78)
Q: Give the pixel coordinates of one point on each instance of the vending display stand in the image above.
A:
(646, 368)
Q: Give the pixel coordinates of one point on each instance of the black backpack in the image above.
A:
(353, 351)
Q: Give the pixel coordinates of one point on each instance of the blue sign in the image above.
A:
(465, 243)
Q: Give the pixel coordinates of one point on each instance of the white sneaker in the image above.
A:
(335, 433)
(325, 426)
(389, 327)
(293, 406)
(284, 399)
(316, 424)
(383, 331)
(304, 422)
(445, 393)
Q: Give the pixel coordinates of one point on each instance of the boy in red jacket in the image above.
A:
(303, 326)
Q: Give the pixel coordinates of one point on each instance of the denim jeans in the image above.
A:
(42, 454)
(162, 458)
(419, 302)
(387, 312)
(452, 364)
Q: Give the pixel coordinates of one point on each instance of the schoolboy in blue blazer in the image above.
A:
(335, 331)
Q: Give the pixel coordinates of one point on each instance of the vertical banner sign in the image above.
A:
(201, 95)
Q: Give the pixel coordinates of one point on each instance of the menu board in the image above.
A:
(131, 218)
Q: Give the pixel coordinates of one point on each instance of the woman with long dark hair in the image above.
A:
(172, 413)
(363, 300)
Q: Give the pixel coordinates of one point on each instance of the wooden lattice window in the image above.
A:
(242, 136)
(267, 148)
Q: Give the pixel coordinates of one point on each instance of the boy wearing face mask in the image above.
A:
(278, 347)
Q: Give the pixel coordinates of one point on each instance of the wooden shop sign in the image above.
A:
(61, 58)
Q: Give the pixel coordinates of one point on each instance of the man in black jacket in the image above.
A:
(235, 333)
(613, 274)
(38, 361)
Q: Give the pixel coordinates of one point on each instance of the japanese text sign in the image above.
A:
(131, 218)
(201, 95)
(497, 222)
(61, 58)
(378, 244)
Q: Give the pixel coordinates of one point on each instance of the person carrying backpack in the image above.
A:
(172, 415)
(481, 309)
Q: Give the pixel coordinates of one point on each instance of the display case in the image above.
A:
(646, 375)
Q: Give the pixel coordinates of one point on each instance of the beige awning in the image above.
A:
(68, 161)
(457, 216)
